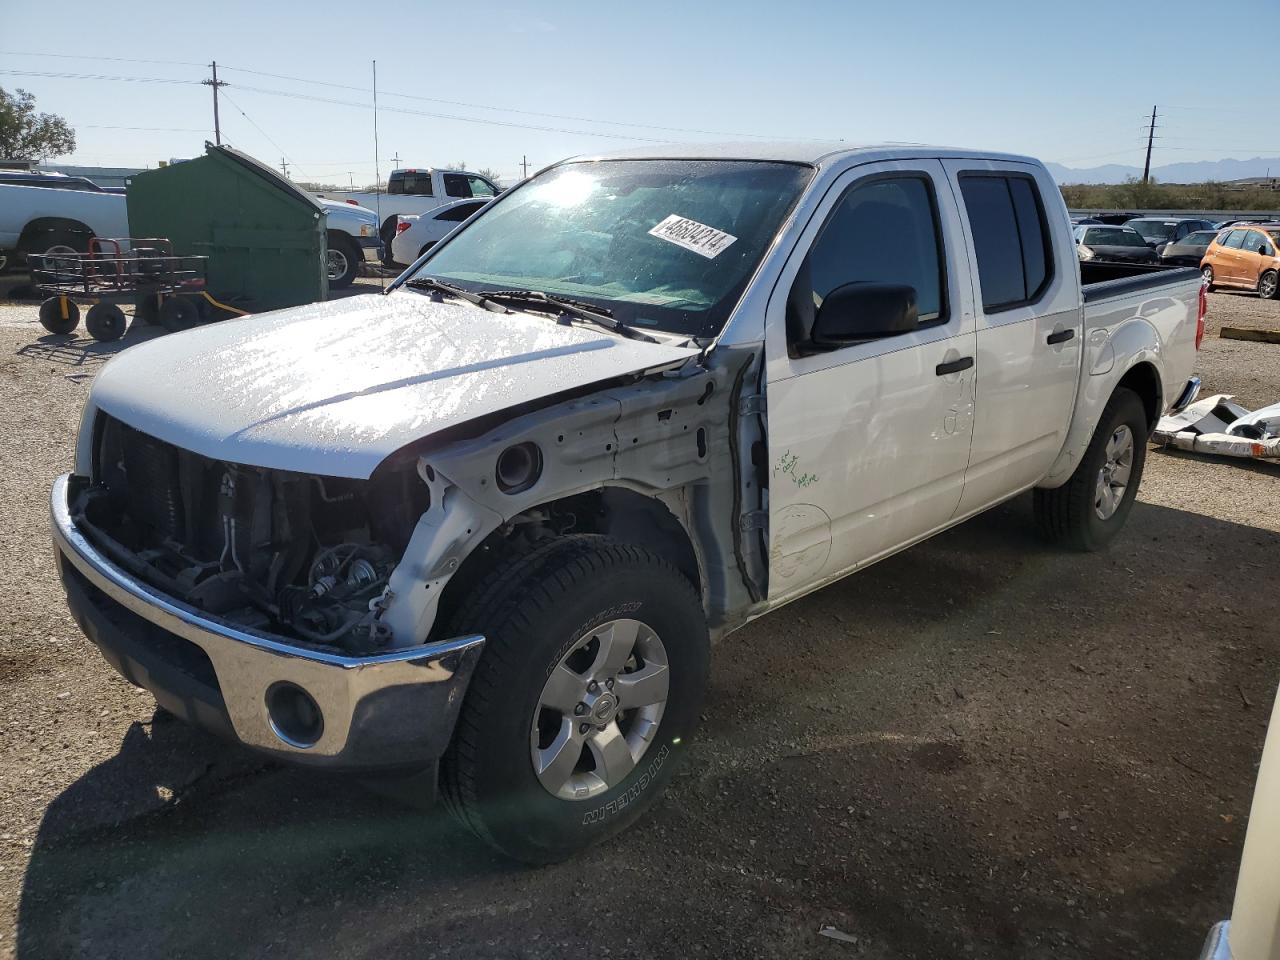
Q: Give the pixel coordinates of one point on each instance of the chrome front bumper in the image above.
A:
(390, 711)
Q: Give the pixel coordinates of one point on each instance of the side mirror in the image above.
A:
(864, 311)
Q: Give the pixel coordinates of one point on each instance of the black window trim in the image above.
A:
(944, 278)
(1051, 261)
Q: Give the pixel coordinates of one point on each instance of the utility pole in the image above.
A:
(524, 168)
(284, 168)
(215, 83)
(1151, 135)
(396, 160)
(351, 181)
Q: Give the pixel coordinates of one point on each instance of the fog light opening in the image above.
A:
(295, 716)
(518, 467)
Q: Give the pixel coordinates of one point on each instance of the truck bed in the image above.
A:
(1099, 281)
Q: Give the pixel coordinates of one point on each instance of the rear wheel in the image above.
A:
(1268, 285)
(59, 315)
(593, 673)
(105, 322)
(1206, 272)
(147, 309)
(178, 314)
(1088, 510)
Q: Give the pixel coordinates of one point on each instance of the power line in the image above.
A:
(57, 75)
(100, 126)
(78, 56)
(445, 116)
(265, 134)
(489, 106)
(388, 93)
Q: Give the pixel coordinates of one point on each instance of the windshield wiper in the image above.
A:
(600, 316)
(431, 283)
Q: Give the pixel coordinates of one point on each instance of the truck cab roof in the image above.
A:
(814, 152)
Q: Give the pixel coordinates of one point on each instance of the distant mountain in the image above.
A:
(1195, 172)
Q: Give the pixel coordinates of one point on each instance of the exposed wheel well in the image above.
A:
(30, 240)
(342, 239)
(616, 512)
(1143, 380)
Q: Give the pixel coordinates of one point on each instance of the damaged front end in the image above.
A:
(296, 555)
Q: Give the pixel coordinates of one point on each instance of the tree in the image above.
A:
(490, 174)
(27, 135)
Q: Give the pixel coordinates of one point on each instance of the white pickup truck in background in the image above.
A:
(490, 521)
(56, 218)
(415, 191)
(352, 234)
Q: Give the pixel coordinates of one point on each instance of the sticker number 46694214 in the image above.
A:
(692, 235)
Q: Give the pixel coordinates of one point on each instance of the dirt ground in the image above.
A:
(981, 747)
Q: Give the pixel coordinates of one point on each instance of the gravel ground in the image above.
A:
(979, 747)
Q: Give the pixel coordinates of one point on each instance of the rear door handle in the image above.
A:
(953, 366)
(1062, 336)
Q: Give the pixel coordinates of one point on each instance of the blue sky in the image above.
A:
(1066, 82)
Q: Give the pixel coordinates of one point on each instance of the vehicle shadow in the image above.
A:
(182, 845)
(981, 746)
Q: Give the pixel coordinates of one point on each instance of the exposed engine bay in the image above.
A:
(289, 553)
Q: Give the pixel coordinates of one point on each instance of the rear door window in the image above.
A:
(457, 185)
(1010, 238)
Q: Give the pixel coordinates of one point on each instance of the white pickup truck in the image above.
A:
(485, 526)
(57, 217)
(352, 236)
(412, 191)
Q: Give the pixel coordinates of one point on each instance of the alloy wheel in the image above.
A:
(599, 710)
(336, 263)
(1113, 477)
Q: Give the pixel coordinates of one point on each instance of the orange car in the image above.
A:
(1245, 257)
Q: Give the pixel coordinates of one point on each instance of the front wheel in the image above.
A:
(594, 668)
(1088, 510)
(342, 262)
(1206, 274)
(59, 315)
(1268, 285)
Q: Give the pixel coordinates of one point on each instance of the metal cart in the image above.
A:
(140, 270)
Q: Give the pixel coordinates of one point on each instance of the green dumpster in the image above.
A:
(265, 238)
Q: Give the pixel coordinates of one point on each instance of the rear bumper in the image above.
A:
(387, 713)
(1188, 395)
(372, 248)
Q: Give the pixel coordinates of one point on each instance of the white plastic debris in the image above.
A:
(1220, 426)
(832, 933)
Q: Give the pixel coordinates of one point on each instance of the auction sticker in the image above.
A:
(692, 235)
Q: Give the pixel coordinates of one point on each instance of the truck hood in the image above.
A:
(334, 388)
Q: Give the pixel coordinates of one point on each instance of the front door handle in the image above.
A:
(953, 366)
(1062, 336)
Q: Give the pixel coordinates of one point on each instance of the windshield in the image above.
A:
(1201, 238)
(1113, 237)
(665, 244)
(1153, 229)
